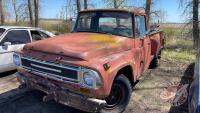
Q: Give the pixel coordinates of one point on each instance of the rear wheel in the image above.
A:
(154, 63)
(119, 96)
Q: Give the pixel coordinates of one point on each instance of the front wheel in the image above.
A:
(119, 96)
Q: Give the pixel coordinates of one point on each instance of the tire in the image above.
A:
(119, 96)
(154, 63)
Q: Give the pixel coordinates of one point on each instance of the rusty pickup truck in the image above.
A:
(95, 67)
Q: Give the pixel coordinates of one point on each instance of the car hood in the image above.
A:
(82, 45)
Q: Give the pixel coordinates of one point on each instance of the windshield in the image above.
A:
(115, 23)
(1, 31)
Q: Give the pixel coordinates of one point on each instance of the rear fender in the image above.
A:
(154, 47)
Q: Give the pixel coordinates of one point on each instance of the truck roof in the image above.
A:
(131, 10)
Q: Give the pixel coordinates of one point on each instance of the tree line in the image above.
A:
(191, 11)
(32, 6)
(31, 10)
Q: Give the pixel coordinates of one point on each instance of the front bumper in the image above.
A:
(61, 95)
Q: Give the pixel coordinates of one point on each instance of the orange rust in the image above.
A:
(93, 50)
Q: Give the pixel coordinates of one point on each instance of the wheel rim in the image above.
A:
(115, 97)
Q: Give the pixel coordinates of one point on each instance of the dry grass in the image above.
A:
(177, 47)
(58, 27)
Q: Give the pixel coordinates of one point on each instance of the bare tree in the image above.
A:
(115, 3)
(30, 12)
(148, 8)
(61, 14)
(85, 4)
(191, 11)
(196, 23)
(78, 5)
(2, 12)
(19, 10)
(36, 12)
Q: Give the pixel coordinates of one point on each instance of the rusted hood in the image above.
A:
(82, 45)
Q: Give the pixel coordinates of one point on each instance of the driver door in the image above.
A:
(12, 41)
(142, 43)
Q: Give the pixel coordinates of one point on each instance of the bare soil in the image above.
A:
(145, 97)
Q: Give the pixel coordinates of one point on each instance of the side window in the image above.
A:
(140, 26)
(36, 35)
(44, 35)
(17, 37)
(84, 23)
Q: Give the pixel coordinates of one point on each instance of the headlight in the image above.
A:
(17, 59)
(91, 78)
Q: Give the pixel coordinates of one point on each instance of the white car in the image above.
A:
(13, 38)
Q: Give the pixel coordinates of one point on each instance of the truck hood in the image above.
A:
(83, 46)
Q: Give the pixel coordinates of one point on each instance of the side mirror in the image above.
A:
(6, 44)
(154, 27)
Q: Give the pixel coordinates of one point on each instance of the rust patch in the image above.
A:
(104, 39)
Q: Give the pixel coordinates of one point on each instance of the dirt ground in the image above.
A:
(146, 97)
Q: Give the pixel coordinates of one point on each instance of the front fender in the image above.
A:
(116, 63)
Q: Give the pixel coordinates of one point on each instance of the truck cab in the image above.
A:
(97, 64)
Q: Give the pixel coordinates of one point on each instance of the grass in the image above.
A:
(177, 47)
(183, 56)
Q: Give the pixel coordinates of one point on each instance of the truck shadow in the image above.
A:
(186, 79)
(4, 74)
(16, 101)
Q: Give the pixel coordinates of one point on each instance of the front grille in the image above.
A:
(52, 70)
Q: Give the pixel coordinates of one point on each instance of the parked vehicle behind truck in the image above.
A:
(194, 94)
(95, 67)
(15, 37)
